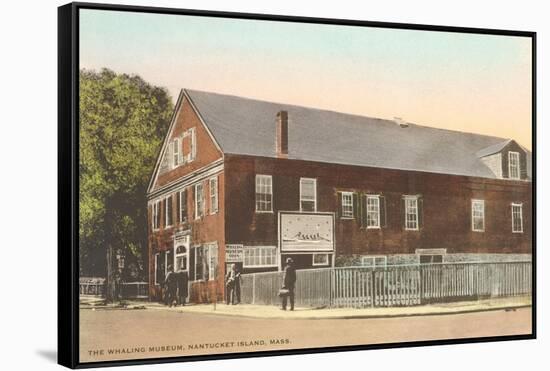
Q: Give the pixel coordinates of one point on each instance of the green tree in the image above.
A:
(123, 120)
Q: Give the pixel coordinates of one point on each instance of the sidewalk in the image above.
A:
(274, 312)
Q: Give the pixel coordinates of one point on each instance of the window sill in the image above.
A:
(373, 227)
(264, 212)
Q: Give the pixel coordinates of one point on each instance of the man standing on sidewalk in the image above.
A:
(289, 282)
(171, 284)
(232, 282)
(183, 281)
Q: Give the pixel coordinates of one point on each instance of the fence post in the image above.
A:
(253, 289)
(371, 279)
(330, 295)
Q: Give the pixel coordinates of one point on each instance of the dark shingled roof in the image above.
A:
(247, 127)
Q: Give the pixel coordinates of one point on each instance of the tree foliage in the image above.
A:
(123, 120)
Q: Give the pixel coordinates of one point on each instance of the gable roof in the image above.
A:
(247, 127)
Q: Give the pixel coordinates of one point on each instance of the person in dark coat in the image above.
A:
(171, 286)
(238, 285)
(289, 282)
(232, 282)
(183, 280)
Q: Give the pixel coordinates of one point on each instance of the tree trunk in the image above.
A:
(110, 279)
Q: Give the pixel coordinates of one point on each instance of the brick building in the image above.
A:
(250, 182)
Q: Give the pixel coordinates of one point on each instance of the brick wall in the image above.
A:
(207, 152)
(209, 228)
(446, 207)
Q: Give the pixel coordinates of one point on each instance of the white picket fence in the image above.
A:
(129, 290)
(393, 285)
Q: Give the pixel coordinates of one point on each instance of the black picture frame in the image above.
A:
(68, 180)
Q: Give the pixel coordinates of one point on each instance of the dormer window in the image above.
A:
(513, 165)
(506, 160)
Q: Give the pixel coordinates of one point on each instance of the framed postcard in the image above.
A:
(239, 185)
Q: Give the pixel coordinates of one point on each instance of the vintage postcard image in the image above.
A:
(252, 185)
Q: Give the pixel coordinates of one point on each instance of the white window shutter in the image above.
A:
(164, 165)
(193, 151)
(181, 158)
(168, 155)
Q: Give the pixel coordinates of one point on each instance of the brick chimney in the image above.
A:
(281, 139)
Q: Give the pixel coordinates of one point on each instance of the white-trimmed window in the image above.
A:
(206, 261)
(430, 258)
(478, 215)
(181, 257)
(156, 215)
(167, 263)
(320, 259)
(374, 261)
(212, 260)
(264, 193)
(373, 211)
(347, 204)
(260, 256)
(513, 165)
(213, 186)
(176, 152)
(199, 200)
(157, 257)
(517, 218)
(199, 263)
(411, 213)
(168, 211)
(182, 205)
(308, 194)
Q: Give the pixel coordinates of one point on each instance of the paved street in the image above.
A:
(130, 334)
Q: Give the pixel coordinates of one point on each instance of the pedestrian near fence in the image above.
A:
(233, 284)
(289, 282)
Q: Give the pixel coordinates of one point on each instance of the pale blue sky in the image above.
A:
(477, 83)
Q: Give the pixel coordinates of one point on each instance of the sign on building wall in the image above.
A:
(234, 253)
(181, 238)
(306, 232)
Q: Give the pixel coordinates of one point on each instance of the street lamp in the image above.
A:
(118, 280)
(120, 259)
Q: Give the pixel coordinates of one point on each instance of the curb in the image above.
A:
(354, 316)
